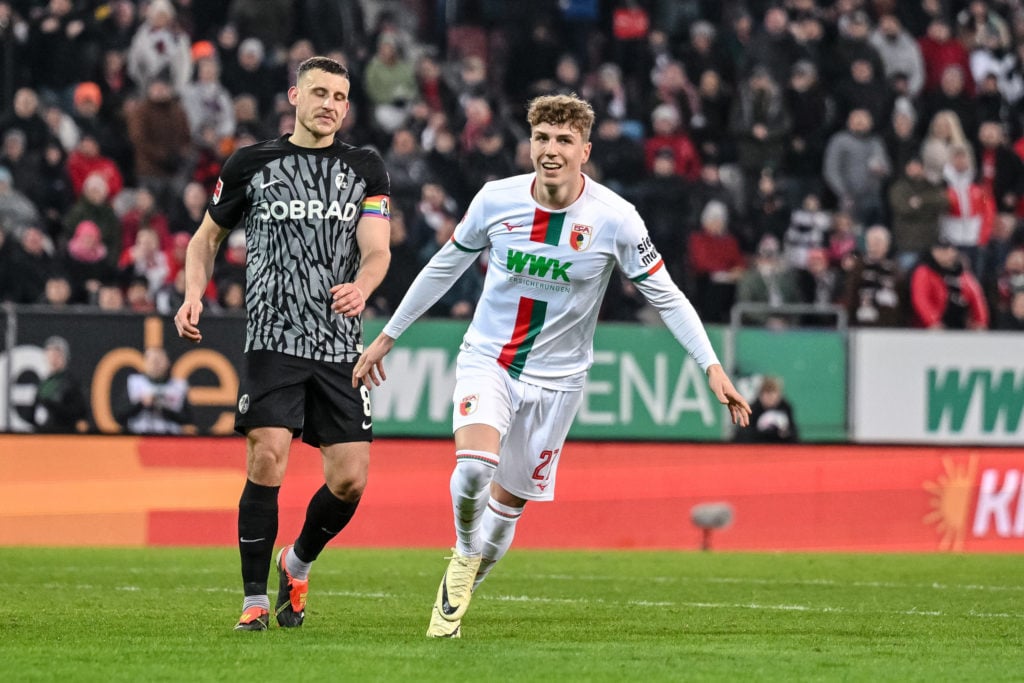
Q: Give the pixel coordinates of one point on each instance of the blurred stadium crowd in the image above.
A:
(860, 153)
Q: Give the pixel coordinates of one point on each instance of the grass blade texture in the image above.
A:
(166, 614)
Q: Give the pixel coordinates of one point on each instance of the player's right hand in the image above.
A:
(370, 366)
(187, 321)
(727, 395)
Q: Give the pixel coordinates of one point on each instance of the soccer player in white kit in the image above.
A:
(555, 237)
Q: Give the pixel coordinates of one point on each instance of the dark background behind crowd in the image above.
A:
(865, 154)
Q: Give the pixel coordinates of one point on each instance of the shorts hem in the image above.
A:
(354, 439)
(532, 497)
(468, 421)
(245, 429)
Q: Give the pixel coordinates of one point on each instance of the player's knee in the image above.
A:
(472, 475)
(348, 488)
(265, 467)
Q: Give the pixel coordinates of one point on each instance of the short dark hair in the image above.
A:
(331, 66)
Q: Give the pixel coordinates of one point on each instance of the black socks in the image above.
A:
(326, 516)
(257, 532)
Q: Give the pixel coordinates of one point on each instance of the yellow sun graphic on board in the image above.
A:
(951, 500)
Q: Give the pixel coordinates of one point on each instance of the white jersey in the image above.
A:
(547, 272)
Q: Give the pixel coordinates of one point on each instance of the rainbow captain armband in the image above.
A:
(378, 205)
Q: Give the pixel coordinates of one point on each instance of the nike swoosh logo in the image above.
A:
(367, 425)
(446, 607)
(267, 184)
(251, 540)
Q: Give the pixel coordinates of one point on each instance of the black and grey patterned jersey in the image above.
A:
(300, 207)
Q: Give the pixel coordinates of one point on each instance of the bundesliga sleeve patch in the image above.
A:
(378, 205)
(217, 190)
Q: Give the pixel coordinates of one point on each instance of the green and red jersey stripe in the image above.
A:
(547, 227)
(651, 271)
(529, 321)
(463, 247)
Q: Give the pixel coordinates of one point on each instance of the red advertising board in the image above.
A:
(100, 490)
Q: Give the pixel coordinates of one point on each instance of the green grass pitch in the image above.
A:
(166, 614)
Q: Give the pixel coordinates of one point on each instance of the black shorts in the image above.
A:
(312, 398)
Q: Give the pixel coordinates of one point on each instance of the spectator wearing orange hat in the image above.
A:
(86, 106)
(99, 115)
(202, 49)
(88, 97)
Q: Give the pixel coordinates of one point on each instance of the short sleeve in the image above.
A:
(378, 182)
(229, 199)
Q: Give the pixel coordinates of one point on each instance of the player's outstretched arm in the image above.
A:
(727, 395)
(202, 249)
(370, 366)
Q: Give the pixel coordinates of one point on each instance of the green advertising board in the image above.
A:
(812, 365)
(642, 385)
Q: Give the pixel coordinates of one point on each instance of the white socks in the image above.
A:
(296, 567)
(499, 528)
(470, 486)
(483, 526)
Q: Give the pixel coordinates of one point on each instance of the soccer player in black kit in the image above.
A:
(315, 214)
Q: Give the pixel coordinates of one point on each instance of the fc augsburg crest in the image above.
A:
(468, 404)
(579, 238)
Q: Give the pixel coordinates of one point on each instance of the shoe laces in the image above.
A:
(251, 614)
(463, 570)
(297, 591)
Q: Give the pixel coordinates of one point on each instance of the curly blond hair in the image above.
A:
(560, 110)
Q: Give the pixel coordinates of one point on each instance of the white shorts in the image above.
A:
(532, 421)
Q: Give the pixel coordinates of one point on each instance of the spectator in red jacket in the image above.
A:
(86, 159)
(144, 213)
(940, 49)
(971, 215)
(944, 294)
(667, 125)
(716, 263)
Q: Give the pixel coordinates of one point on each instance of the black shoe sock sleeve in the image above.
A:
(257, 532)
(326, 516)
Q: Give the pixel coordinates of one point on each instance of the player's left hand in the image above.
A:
(369, 369)
(727, 395)
(348, 300)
